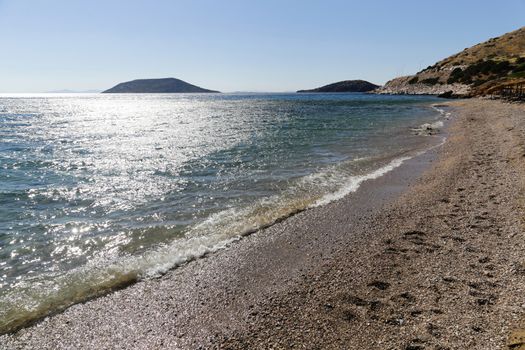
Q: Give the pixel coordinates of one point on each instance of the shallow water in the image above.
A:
(100, 190)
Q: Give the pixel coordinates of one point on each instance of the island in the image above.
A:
(157, 86)
(345, 86)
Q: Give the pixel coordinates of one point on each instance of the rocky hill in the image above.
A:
(345, 86)
(483, 69)
(165, 85)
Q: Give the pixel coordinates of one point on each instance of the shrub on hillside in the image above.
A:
(455, 76)
(479, 82)
(520, 68)
(501, 68)
(430, 81)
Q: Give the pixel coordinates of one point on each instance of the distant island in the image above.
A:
(165, 85)
(345, 86)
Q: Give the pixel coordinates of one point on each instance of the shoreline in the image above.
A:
(17, 318)
(301, 280)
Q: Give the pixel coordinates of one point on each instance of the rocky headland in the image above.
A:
(401, 86)
(493, 68)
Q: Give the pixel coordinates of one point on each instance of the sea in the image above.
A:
(98, 191)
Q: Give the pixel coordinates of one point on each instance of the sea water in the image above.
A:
(99, 190)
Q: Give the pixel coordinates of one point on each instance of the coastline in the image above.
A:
(392, 265)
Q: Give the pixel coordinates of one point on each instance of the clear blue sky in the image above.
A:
(267, 45)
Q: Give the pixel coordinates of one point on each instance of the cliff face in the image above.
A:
(166, 85)
(475, 71)
(345, 86)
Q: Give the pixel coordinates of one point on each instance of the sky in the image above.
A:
(236, 45)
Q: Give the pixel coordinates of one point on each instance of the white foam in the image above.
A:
(354, 182)
(442, 112)
(225, 227)
(434, 127)
(428, 128)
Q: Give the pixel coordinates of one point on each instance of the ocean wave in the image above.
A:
(224, 195)
(28, 301)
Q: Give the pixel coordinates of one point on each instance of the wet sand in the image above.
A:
(429, 256)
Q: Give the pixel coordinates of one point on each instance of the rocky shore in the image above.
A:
(429, 256)
(402, 86)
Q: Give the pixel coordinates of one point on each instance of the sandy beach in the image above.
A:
(429, 256)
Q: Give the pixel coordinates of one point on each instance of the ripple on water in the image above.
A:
(97, 191)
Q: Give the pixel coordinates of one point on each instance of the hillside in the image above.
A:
(166, 85)
(345, 86)
(491, 67)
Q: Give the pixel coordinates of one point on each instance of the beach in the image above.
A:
(428, 256)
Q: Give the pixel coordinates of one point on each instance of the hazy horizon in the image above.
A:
(236, 46)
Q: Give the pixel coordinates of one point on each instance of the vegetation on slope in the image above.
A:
(481, 69)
